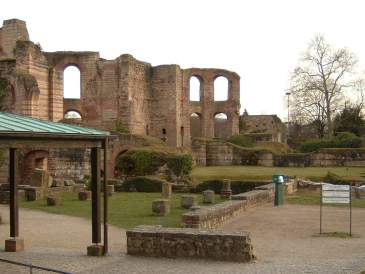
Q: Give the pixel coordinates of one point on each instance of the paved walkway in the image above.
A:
(282, 239)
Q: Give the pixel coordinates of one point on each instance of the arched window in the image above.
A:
(194, 89)
(71, 83)
(221, 89)
(221, 126)
(195, 125)
(72, 114)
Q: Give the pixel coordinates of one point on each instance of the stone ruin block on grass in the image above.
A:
(187, 201)
(161, 207)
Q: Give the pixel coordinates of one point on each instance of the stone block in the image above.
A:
(166, 190)
(33, 193)
(208, 196)
(4, 197)
(78, 187)
(53, 200)
(110, 190)
(5, 187)
(14, 245)
(161, 207)
(118, 187)
(226, 191)
(69, 182)
(84, 195)
(187, 201)
(39, 178)
(95, 250)
(57, 183)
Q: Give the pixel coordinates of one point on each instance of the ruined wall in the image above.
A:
(13, 30)
(156, 241)
(207, 108)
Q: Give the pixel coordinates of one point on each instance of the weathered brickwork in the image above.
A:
(215, 216)
(220, 153)
(156, 241)
(122, 94)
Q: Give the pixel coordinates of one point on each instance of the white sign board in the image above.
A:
(336, 194)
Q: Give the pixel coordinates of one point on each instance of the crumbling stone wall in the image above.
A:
(215, 216)
(124, 94)
(156, 241)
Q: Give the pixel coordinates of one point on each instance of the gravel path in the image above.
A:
(282, 239)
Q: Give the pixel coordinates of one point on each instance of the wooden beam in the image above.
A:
(49, 143)
(95, 196)
(105, 196)
(14, 210)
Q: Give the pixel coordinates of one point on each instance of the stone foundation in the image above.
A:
(216, 215)
(156, 241)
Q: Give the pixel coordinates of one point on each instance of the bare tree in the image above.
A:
(319, 82)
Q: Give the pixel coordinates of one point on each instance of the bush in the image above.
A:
(241, 140)
(341, 140)
(333, 178)
(236, 186)
(147, 162)
(143, 184)
(180, 164)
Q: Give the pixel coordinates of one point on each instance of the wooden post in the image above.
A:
(95, 249)
(14, 210)
(14, 244)
(106, 196)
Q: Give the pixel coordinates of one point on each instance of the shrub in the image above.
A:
(236, 186)
(143, 184)
(180, 164)
(241, 140)
(333, 178)
(341, 140)
(147, 162)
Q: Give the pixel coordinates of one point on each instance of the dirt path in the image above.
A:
(282, 239)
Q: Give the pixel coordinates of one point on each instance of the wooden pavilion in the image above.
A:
(19, 132)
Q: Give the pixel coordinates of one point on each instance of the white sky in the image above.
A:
(260, 40)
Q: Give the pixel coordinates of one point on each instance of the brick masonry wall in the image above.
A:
(215, 216)
(156, 241)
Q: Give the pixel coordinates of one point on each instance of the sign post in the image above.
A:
(335, 194)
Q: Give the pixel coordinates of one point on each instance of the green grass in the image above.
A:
(126, 209)
(305, 197)
(265, 173)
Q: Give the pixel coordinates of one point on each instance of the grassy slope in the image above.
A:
(126, 209)
(265, 173)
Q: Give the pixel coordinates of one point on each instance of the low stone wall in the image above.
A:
(156, 241)
(220, 153)
(216, 215)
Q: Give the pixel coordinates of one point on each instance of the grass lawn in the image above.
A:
(265, 173)
(126, 209)
(305, 197)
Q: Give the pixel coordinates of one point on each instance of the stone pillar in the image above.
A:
(166, 190)
(53, 200)
(226, 191)
(187, 201)
(208, 196)
(161, 207)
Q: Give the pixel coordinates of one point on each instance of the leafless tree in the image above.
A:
(319, 83)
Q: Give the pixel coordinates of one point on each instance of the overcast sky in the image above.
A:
(260, 40)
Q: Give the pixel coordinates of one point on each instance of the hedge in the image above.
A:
(236, 186)
(341, 140)
(147, 162)
(143, 184)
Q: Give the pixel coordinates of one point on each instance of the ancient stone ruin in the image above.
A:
(124, 95)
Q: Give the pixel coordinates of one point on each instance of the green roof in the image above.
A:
(10, 122)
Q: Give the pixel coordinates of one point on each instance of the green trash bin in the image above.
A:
(278, 180)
